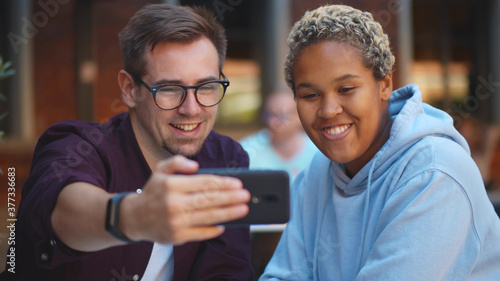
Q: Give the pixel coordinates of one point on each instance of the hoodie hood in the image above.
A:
(410, 124)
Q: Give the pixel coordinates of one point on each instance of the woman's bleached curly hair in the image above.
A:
(346, 25)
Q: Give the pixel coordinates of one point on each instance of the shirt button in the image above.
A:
(135, 277)
(53, 243)
(45, 257)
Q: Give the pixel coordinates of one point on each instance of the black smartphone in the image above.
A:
(270, 194)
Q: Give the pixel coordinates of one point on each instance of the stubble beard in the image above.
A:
(187, 147)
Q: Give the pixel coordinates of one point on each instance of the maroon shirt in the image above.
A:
(108, 156)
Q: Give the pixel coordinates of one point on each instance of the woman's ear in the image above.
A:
(127, 86)
(385, 86)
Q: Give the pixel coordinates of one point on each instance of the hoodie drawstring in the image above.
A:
(322, 207)
(365, 215)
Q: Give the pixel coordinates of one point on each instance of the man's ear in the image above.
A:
(127, 86)
(385, 87)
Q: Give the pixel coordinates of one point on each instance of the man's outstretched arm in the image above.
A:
(174, 208)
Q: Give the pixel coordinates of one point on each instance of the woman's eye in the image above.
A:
(309, 96)
(345, 90)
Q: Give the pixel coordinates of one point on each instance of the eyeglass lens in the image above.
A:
(171, 96)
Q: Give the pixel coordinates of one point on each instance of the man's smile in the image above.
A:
(186, 127)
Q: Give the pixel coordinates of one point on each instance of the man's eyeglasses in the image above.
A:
(171, 96)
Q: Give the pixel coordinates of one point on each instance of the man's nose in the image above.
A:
(190, 106)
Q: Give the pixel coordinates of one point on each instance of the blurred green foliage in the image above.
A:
(4, 73)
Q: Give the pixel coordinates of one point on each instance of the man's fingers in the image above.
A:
(212, 199)
(193, 205)
(203, 183)
(215, 216)
(177, 165)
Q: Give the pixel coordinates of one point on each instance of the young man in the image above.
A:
(395, 194)
(113, 202)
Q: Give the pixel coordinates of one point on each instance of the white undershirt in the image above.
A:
(161, 263)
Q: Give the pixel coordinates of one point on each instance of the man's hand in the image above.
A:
(176, 208)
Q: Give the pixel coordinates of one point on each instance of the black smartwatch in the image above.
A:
(112, 217)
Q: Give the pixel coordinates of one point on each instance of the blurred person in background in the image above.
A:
(481, 139)
(283, 144)
(115, 201)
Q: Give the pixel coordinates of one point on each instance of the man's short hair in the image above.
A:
(158, 23)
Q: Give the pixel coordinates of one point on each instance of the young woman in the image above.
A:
(394, 195)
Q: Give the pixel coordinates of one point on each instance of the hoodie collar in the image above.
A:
(412, 120)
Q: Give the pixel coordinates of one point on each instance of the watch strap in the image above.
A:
(113, 216)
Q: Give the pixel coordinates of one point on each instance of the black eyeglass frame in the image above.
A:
(154, 89)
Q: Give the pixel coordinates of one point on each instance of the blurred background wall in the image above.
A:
(66, 58)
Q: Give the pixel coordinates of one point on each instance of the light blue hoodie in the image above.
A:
(417, 211)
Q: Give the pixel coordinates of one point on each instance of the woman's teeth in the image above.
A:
(337, 129)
